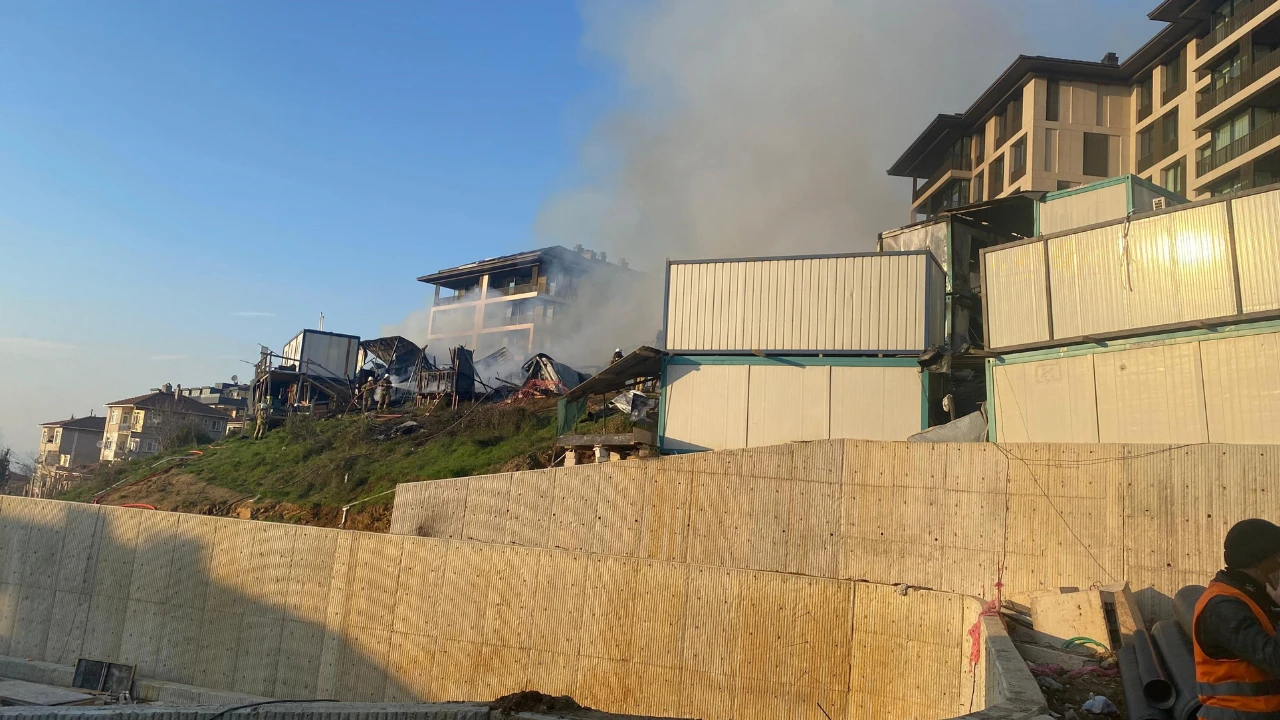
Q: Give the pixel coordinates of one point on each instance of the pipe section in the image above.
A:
(1136, 705)
(1156, 687)
(1184, 606)
(1175, 648)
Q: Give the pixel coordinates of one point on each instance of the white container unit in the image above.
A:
(1098, 202)
(727, 402)
(1197, 386)
(324, 354)
(1206, 263)
(868, 303)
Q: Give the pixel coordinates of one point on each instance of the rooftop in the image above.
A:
(580, 259)
(90, 422)
(167, 401)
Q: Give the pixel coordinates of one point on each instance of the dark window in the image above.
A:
(977, 188)
(1175, 79)
(1009, 122)
(1144, 98)
(1096, 154)
(1173, 178)
(1169, 133)
(1052, 100)
(997, 177)
(1146, 147)
(979, 147)
(1018, 160)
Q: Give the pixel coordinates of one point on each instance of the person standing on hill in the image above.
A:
(1234, 628)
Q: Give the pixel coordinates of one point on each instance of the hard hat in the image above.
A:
(617, 349)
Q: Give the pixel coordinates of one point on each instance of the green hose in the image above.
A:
(1082, 640)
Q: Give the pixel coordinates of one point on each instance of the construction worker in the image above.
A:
(366, 392)
(617, 355)
(260, 422)
(384, 392)
(1236, 650)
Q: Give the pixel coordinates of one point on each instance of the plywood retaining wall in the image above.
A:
(933, 515)
(300, 612)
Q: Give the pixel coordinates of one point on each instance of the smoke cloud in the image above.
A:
(754, 127)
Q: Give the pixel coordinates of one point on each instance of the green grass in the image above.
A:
(338, 460)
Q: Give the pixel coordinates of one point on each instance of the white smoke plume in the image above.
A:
(758, 127)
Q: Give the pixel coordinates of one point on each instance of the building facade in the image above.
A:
(1191, 111)
(230, 398)
(66, 448)
(144, 425)
(522, 302)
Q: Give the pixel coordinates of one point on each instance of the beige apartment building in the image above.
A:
(142, 425)
(1191, 110)
(522, 302)
(66, 447)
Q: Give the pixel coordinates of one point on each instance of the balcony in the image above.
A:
(1210, 99)
(462, 297)
(1234, 23)
(1254, 139)
(950, 163)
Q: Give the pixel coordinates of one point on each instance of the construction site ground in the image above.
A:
(306, 471)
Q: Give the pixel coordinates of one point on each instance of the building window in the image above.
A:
(115, 416)
(1009, 123)
(1226, 11)
(1175, 79)
(997, 176)
(1052, 101)
(1145, 98)
(979, 148)
(1233, 183)
(1169, 133)
(977, 188)
(1096, 154)
(1018, 160)
(1227, 70)
(1174, 177)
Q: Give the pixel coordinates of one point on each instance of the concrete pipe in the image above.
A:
(1184, 605)
(1156, 687)
(1175, 648)
(1136, 705)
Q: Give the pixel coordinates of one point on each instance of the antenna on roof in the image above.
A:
(321, 322)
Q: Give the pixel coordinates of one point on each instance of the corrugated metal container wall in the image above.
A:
(1017, 295)
(1171, 268)
(324, 354)
(856, 303)
(1084, 208)
(1256, 219)
(1191, 389)
(719, 405)
(927, 237)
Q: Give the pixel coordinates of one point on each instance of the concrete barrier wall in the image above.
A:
(933, 515)
(300, 612)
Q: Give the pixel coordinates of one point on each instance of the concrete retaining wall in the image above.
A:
(933, 515)
(299, 612)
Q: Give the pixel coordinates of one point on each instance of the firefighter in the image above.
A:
(260, 422)
(384, 392)
(617, 355)
(1237, 654)
(366, 392)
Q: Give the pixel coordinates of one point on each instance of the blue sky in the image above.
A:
(182, 181)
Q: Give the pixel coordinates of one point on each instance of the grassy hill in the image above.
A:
(307, 470)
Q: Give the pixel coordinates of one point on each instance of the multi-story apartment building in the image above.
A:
(522, 302)
(66, 447)
(1191, 110)
(231, 398)
(143, 425)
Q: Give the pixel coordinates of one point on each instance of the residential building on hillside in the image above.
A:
(517, 301)
(66, 448)
(231, 398)
(144, 425)
(1191, 110)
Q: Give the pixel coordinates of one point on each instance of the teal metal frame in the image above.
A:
(794, 361)
(1109, 346)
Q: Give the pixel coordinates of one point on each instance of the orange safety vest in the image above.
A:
(1234, 689)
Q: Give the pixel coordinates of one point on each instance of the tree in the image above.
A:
(6, 462)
